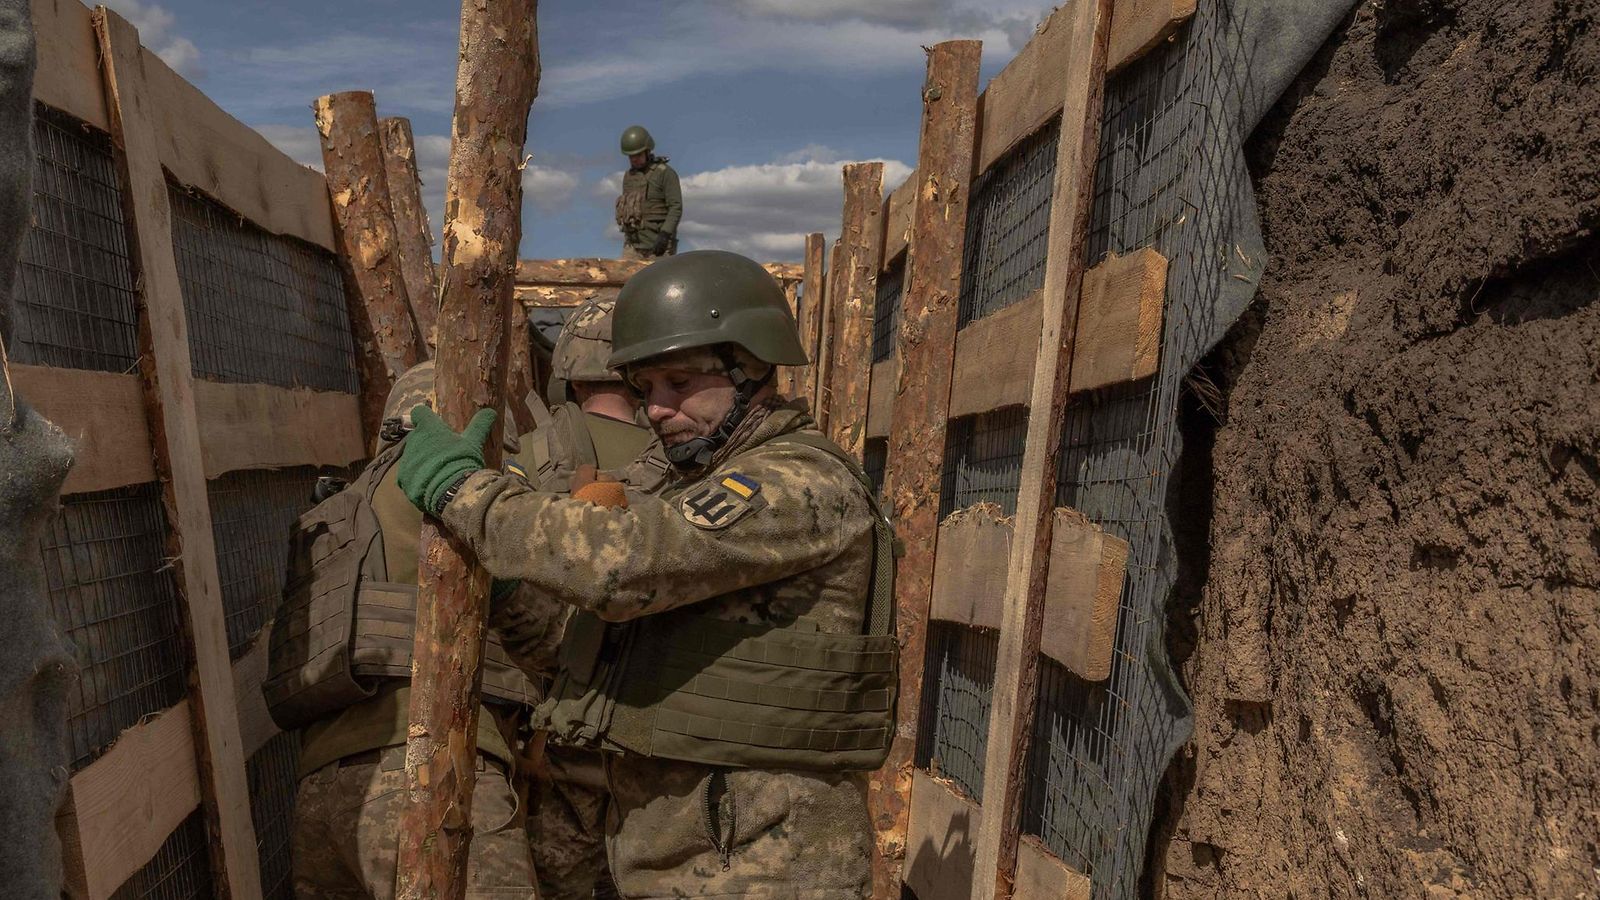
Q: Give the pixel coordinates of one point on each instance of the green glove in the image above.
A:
(436, 459)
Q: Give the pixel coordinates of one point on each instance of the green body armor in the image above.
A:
(680, 685)
(345, 627)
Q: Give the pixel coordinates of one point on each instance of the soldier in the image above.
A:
(339, 668)
(651, 203)
(733, 650)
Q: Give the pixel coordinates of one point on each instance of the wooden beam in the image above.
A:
(1017, 665)
(811, 308)
(969, 574)
(170, 408)
(1026, 94)
(1087, 570)
(994, 359)
(260, 426)
(942, 832)
(921, 409)
(897, 209)
(497, 78)
(1140, 26)
(861, 240)
(1042, 876)
(1119, 321)
(822, 371)
(387, 342)
(103, 413)
(249, 672)
(880, 402)
(414, 239)
(68, 77)
(613, 272)
(789, 376)
(557, 297)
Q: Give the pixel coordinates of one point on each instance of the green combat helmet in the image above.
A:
(410, 389)
(709, 299)
(582, 350)
(636, 140)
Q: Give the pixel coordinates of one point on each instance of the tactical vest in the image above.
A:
(344, 627)
(567, 445)
(684, 686)
(630, 204)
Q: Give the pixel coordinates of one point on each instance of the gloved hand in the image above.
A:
(599, 488)
(435, 458)
(663, 241)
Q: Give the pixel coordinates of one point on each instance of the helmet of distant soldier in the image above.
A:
(635, 139)
(704, 298)
(583, 349)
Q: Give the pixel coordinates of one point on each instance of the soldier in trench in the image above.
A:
(651, 204)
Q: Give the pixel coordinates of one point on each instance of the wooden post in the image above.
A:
(822, 372)
(521, 378)
(811, 307)
(789, 376)
(861, 240)
(922, 405)
(1017, 667)
(387, 343)
(168, 386)
(496, 81)
(414, 240)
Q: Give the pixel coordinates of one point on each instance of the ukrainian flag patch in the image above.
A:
(741, 485)
(515, 468)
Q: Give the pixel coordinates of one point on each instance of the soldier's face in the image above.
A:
(638, 159)
(683, 404)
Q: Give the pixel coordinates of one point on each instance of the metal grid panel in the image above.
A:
(113, 594)
(875, 461)
(886, 310)
(1008, 226)
(74, 298)
(953, 734)
(251, 514)
(983, 460)
(262, 308)
(1169, 160)
(271, 773)
(180, 870)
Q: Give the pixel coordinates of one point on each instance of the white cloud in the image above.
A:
(155, 24)
(1014, 19)
(764, 210)
(299, 142)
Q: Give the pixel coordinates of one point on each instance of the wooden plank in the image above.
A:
(413, 237)
(379, 305)
(994, 359)
(260, 426)
(249, 671)
(861, 240)
(557, 297)
(103, 413)
(600, 271)
(1087, 570)
(921, 408)
(880, 408)
(1119, 321)
(1026, 94)
(211, 151)
(969, 574)
(170, 403)
(1139, 26)
(822, 370)
(68, 76)
(897, 209)
(941, 834)
(1042, 876)
(811, 307)
(128, 801)
(1017, 665)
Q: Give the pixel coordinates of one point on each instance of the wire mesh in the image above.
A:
(886, 309)
(271, 774)
(74, 298)
(180, 870)
(983, 460)
(251, 513)
(958, 690)
(1169, 162)
(262, 308)
(1008, 226)
(113, 594)
(874, 461)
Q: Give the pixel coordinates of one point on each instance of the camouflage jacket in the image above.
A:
(661, 202)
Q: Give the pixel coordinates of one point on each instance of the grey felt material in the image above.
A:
(35, 666)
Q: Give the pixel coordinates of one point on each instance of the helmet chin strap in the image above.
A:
(697, 453)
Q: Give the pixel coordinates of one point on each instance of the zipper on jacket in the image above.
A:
(724, 848)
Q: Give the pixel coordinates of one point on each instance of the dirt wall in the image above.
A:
(1393, 640)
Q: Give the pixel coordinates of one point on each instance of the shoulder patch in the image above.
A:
(513, 467)
(721, 501)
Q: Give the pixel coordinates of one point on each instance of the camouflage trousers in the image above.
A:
(629, 251)
(567, 824)
(346, 820)
(678, 829)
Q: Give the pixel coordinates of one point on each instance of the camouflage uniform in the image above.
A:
(660, 199)
(802, 552)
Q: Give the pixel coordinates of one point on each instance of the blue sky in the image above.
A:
(757, 102)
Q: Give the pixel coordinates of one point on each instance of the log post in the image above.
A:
(921, 408)
(822, 372)
(414, 240)
(386, 337)
(167, 380)
(811, 300)
(1016, 683)
(861, 240)
(497, 79)
(789, 376)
